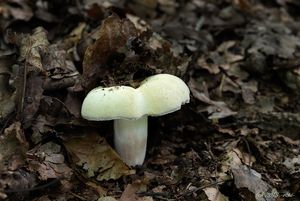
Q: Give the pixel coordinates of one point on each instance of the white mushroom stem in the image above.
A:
(130, 139)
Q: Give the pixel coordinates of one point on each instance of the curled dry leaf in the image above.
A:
(13, 147)
(48, 161)
(17, 181)
(216, 109)
(213, 194)
(7, 95)
(32, 49)
(32, 97)
(293, 164)
(94, 158)
(74, 36)
(17, 10)
(130, 191)
(107, 198)
(223, 58)
(113, 36)
(139, 23)
(245, 177)
(248, 91)
(45, 66)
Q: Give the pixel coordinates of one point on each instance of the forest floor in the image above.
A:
(237, 139)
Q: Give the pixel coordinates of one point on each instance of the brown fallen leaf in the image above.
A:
(216, 109)
(129, 194)
(32, 97)
(213, 194)
(245, 177)
(7, 99)
(7, 96)
(48, 161)
(292, 164)
(15, 181)
(74, 36)
(222, 58)
(249, 89)
(140, 24)
(107, 198)
(19, 10)
(32, 47)
(94, 158)
(13, 147)
(43, 66)
(113, 36)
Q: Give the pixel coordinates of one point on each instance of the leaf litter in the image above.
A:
(238, 139)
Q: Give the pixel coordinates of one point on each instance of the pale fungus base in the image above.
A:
(130, 137)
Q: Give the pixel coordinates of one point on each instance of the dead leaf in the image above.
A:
(216, 109)
(107, 198)
(129, 194)
(58, 64)
(293, 164)
(113, 36)
(96, 187)
(17, 180)
(33, 96)
(271, 38)
(249, 90)
(73, 103)
(209, 63)
(245, 177)
(48, 161)
(74, 36)
(222, 58)
(244, 5)
(95, 158)
(19, 10)
(13, 147)
(7, 95)
(139, 23)
(213, 194)
(32, 48)
(39, 128)
(7, 98)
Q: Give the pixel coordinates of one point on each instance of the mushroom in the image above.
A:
(129, 108)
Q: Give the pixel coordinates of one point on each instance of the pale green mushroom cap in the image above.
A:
(157, 95)
(163, 94)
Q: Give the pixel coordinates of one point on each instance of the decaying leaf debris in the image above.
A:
(238, 139)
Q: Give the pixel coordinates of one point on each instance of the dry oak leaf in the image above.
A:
(130, 191)
(113, 36)
(48, 161)
(247, 178)
(216, 109)
(107, 198)
(95, 158)
(213, 194)
(13, 147)
(32, 48)
(7, 96)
